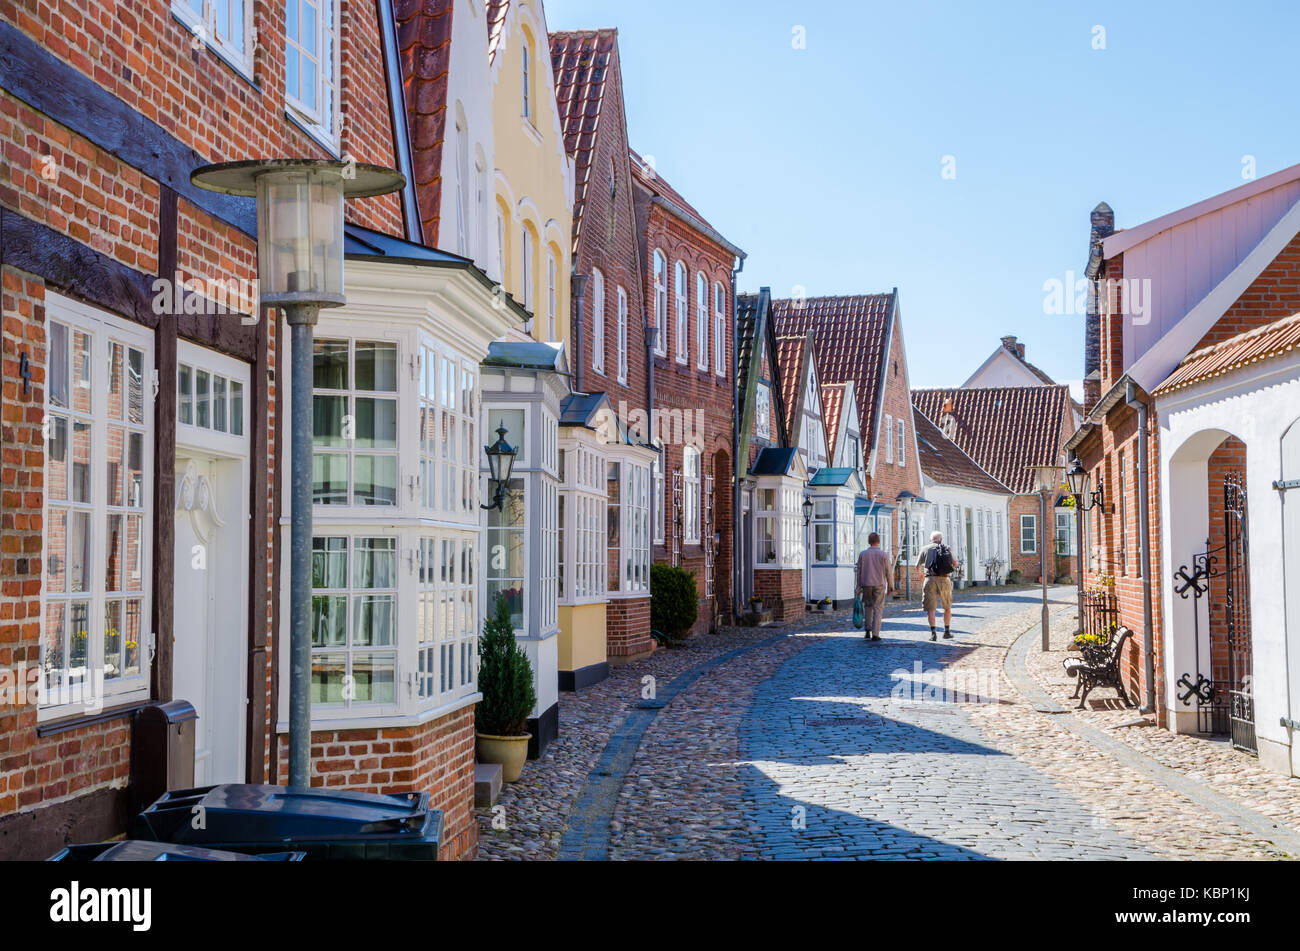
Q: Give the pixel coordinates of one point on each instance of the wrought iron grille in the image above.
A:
(1241, 699)
(1193, 581)
(1100, 613)
(677, 522)
(707, 538)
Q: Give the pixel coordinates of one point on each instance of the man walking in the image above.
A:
(874, 584)
(939, 565)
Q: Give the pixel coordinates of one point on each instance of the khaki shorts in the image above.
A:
(938, 589)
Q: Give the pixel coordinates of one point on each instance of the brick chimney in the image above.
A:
(1101, 224)
(1009, 343)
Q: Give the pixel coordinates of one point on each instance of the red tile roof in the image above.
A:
(1263, 343)
(1004, 429)
(655, 183)
(581, 62)
(496, 21)
(944, 462)
(791, 352)
(424, 50)
(833, 395)
(851, 335)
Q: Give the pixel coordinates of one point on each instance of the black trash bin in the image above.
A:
(325, 824)
(136, 850)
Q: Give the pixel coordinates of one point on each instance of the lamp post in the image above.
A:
(1046, 480)
(905, 500)
(299, 270)
(501, 460)
(1080, 484)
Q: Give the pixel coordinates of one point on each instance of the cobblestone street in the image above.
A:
(812, 743)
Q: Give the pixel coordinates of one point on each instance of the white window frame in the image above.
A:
(661, 302)
(202, 23)
(680, 302)
(447, 402)
(719, 329)
(93, 692)
(322, 120)
(691, 464)
(660, 502)
(1028, 534)
(525, 72)
(902, 441)
(701, 321)
(622, 335)
(823, 515)
(889, 439)
(767, 515)
(551, 308)
(598, 321)
(349, 449)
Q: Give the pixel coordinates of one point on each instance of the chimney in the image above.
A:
(1020, 350)
(1009, 344)
(1101, 224)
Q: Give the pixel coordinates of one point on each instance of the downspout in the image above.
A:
(1144, 547)
(578, 288)
(737, 537)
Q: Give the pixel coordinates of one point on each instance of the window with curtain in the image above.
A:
(96, 577)
(354, 620)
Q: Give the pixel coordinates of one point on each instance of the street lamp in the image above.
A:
(1047, 478)
(501, 459)
(299, 270)
(905, 500)
(807, 509)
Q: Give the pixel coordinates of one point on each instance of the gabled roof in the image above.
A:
(1262, 343)
(943, 460)
(665, 196)
(581, 61)
(581, 409)
(424, 52)
(773, 460)
(791, 358)
(1004, 429)
(496, 21)
(833, 395)
(852, 337)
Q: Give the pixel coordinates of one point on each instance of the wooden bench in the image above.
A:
(1099, 667)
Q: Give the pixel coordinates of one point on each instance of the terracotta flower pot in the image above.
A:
(510, 751)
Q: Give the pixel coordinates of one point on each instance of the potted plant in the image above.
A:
(505, 678)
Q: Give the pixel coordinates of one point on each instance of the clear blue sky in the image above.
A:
(824, 163)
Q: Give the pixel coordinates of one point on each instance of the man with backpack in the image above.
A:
(939, 565)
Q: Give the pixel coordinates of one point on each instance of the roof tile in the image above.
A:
(424, 49)
(1262, 343)
(580, 61)
(943, 460)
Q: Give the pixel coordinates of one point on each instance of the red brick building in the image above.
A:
(688, 266)
(609, 327)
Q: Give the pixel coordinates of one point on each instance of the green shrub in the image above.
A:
(505, 678)
(1014, 576)
(674, 601)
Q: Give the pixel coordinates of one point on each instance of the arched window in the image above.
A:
(622, 335)
(719, 329)
(597, 321)
(683, 342)
(661, 302)
(526, 66)
(528, 270)
(551, 275)
(701, 321)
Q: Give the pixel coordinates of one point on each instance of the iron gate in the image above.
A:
(1241, 700)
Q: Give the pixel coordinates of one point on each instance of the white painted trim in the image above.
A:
(1154, 366)
(1121, 241)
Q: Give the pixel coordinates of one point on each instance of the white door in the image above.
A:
(210, 611)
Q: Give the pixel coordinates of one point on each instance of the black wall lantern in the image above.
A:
(501, 459)
(1079, 488)
(807, 509)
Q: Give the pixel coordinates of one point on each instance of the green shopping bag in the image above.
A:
(858, 618)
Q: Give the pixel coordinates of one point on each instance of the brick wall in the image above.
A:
(1273, 295)
(891, 478)
(435, 757)
(782, 592)
(627, 627)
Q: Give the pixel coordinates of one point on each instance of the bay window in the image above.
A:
(354, 620)
(506, 538)
(767, 519)
(354, 423)
(584, 525)
(823, 529)
(95, 592)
